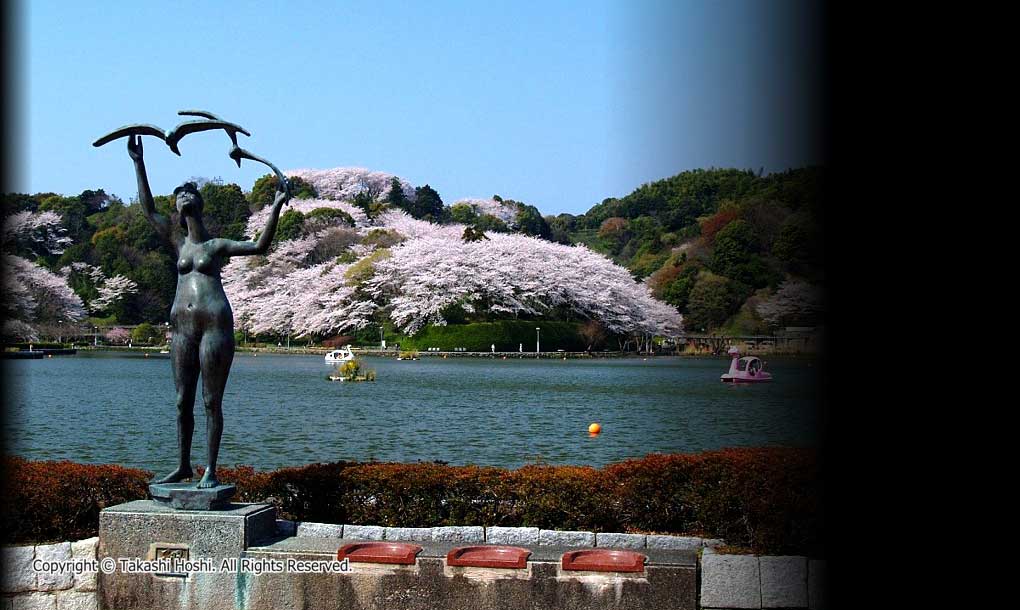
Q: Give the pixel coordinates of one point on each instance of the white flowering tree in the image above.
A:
(118, 335)
(34, 233)
(412, 271)
(795, 300)
(345, 183)
(514, 274)
(34, 297)
(108, 290)
(506, 212)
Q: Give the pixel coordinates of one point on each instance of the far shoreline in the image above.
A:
(390, 353)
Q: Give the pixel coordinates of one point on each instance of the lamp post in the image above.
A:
(538, 343)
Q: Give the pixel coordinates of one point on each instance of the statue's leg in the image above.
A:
(216, 353)
(184, 362)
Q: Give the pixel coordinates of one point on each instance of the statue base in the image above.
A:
(186, 496)
(148, 531)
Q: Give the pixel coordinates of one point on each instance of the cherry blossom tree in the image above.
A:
(506, 212)
(109, 291)
(118, 335)
(34, 296)
(257, 221)
(334, 279)
(344, 183)
(795, 300)
(39, 232)
(514, 274)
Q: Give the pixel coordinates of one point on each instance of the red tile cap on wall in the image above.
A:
(513, 557)
(379, 552)
(603, 560)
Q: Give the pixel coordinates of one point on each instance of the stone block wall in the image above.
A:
(727, 581)
(750, 581)
(31, 589)
(520, 536)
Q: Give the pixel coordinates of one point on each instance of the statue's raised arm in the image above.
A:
(260, 246)
(159, 222)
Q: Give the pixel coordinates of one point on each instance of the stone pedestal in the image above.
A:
(148, 530)
(186, 496)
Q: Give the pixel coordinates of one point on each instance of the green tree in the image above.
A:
(73, 215)
(734, 245)
(322, 217)
(396, 196)
(264, 191)
(146, 333)
(472, 234)
(488, 222)
(560, 227)
(225, 210)
(108, 245)
(679, 290)
(382, 238)
(530, 222)
(712, 300)
(796, 243)
(428, 205)
(463, 213)
(290, 226)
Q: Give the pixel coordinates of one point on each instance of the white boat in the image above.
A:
(344, 354)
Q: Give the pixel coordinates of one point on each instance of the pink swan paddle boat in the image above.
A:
(749, 369)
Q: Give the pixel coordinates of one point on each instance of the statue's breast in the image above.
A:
(205, 263)
(198, 260)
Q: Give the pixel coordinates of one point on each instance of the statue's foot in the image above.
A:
(208, 480)
(176, 476)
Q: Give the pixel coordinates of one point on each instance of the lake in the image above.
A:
(279, 410)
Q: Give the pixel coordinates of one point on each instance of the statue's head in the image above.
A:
(189, 201)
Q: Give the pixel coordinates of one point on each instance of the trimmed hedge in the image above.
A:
(768, 500)
(58, 501)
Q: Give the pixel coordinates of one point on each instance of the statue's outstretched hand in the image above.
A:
(282, 195)
(134, 145)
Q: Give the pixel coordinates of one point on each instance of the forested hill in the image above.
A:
(733, 251)
(718, 244)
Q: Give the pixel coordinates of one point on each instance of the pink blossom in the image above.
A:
(503, 211)
(410, 227)
(344, 183)
(257, 221)
(793, 299)
(40, 231)
(33, 296)
(111, 291)
(118, 335)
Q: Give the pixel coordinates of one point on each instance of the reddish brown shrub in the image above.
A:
(768, 500)
(57, 501)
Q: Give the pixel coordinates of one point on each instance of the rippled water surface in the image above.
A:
(107, 407)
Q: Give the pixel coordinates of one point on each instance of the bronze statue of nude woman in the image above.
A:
(201, 319)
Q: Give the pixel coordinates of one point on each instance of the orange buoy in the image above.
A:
(595, 428)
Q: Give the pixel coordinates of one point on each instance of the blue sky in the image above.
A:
(558, 104)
